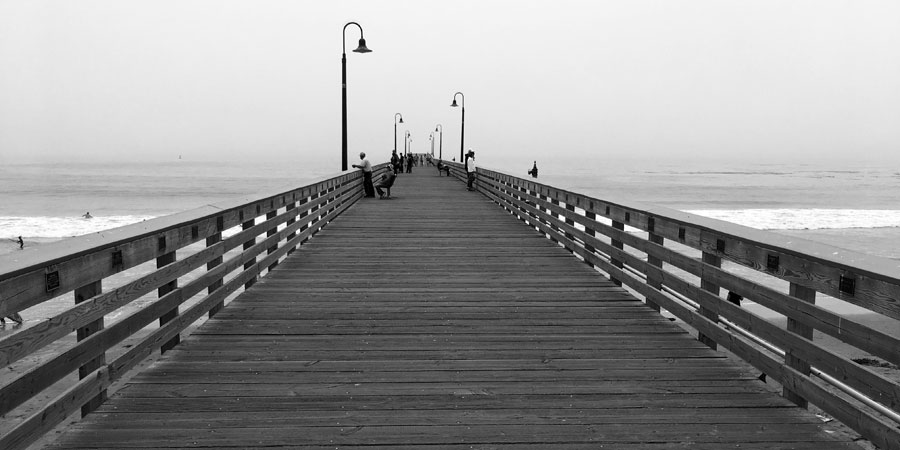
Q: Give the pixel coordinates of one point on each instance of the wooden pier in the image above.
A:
(437, 320)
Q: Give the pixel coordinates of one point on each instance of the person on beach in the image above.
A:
(21, 243)
(470, 170)
(387, 180)
(366, 168)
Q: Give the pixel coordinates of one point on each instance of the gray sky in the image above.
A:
(780, 80)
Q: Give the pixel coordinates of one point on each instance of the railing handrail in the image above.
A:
(858, 264)
(595, 230)
(75, 246)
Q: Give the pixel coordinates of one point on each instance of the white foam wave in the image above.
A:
(806, 219)
(61, 227)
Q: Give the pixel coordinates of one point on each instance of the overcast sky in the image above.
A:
(233, 80)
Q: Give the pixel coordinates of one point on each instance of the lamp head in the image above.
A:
(401, 120)
(362, 47)
(454, 105)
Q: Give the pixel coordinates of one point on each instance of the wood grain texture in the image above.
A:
(436, 320)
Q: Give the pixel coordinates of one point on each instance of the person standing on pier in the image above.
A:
(470, 170)
(366, 168)
(395, 160)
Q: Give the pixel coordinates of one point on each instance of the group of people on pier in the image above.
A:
(407, 161)
(398, 163)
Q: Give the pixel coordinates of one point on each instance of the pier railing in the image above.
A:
(675, 261)
(190, 263)
(187, 265)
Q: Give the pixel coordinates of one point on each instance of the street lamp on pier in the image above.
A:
(440, 128)
(360, 49)
(395, 129)
(431, 138)
(462, 132)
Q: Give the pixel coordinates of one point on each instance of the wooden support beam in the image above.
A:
(81, 294)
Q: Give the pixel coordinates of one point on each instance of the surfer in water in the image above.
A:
(88, 215)
(20, 242)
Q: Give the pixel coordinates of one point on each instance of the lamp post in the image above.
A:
(431, 138)
(361, 49)
(395, 129)
(405, 142)
(440, 128)
(462, 133)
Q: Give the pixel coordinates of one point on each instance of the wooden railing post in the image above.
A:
(303, 214)
(619, 245)
(555, 218)
(246, 225)
(545, 211)
(590, 232)
(274, 247)
(707, 285)
(162, 261)
(570, 207)
(653, 281)
(210, 241)
(314, 212)
(534, 216)
(290, 207)
(808, 295)
(81, 294)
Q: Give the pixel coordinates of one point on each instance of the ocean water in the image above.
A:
(45, 202)
(838, 204)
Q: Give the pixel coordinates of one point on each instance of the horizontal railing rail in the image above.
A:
(674, 260)
(188, 264)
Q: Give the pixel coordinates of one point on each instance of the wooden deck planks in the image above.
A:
(434, 320)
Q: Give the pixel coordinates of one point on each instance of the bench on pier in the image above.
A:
(443, 168)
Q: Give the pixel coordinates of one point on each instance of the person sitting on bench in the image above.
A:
(387, 180)
(443, 168)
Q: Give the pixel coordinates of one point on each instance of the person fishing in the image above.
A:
(534, 170)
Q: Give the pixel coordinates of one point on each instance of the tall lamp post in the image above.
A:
(361, 49)
(406, 141)
(431, 138)
(462, 133)
(395, 129)
(440, 128)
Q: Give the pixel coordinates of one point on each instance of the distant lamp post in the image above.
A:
(462, 128)
(406, 142)
(395, 129)
(431, 138)
(440, 128)
(360, 49)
